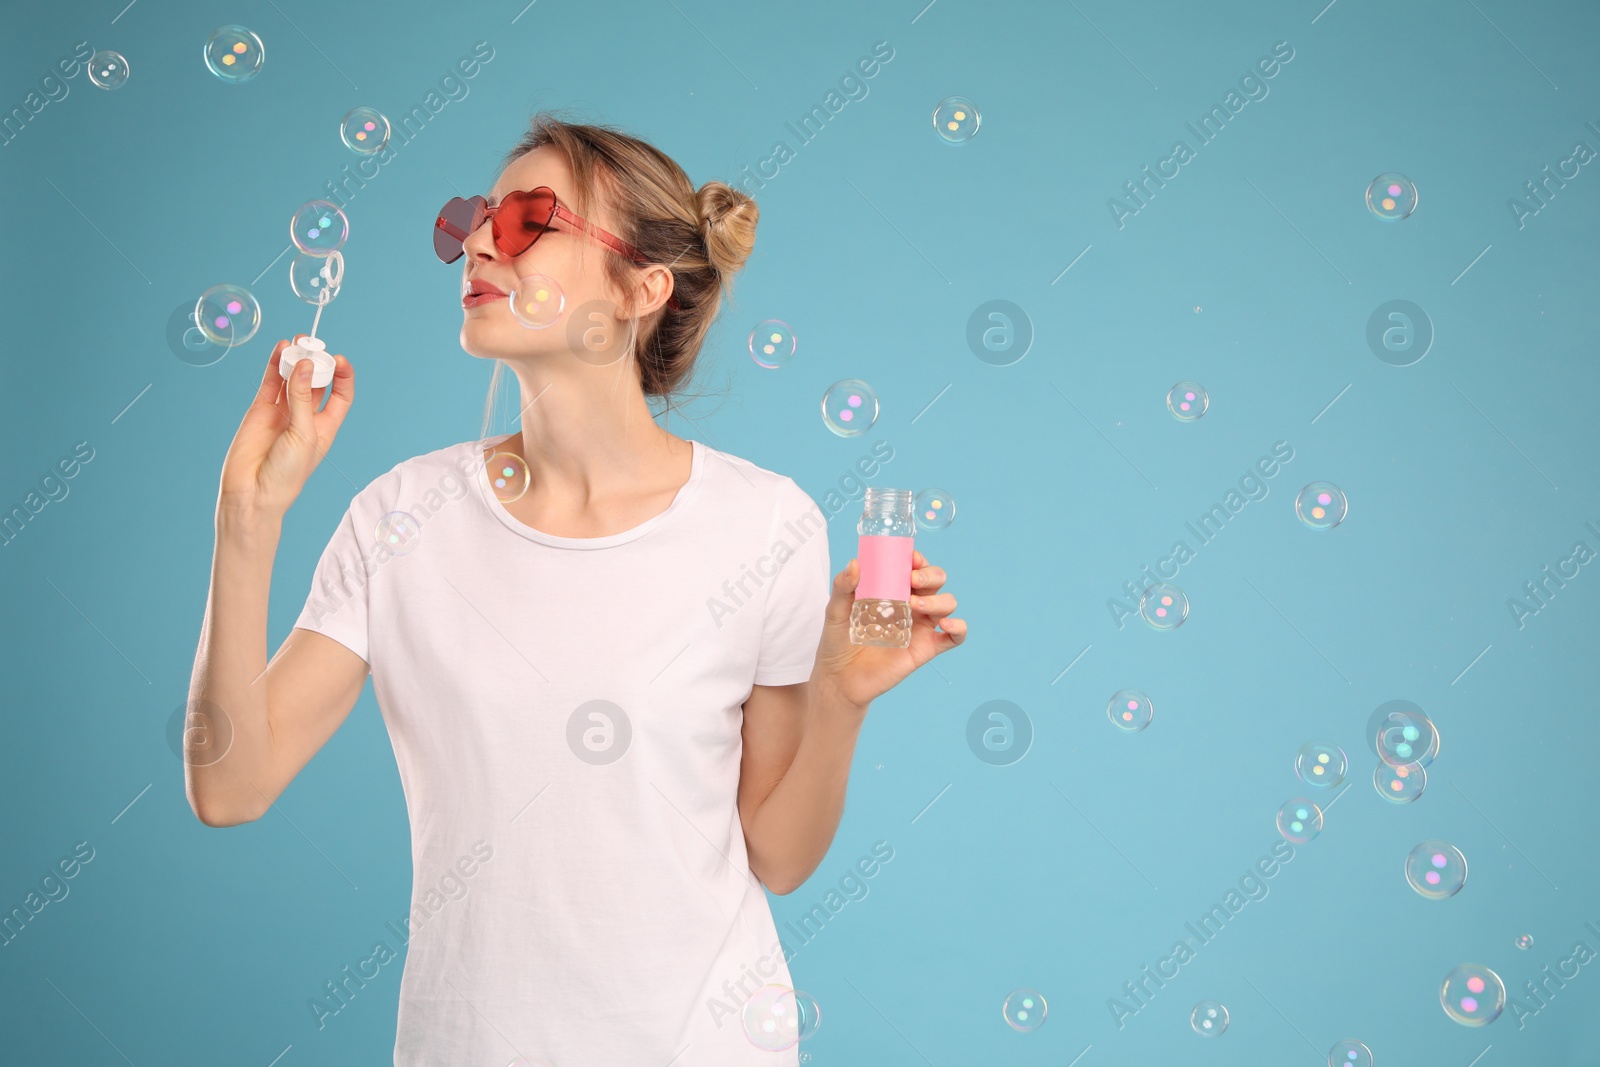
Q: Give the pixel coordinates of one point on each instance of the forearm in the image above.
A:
(227, 739)
(792, 829)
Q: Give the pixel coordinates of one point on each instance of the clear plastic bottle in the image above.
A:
(882, 612)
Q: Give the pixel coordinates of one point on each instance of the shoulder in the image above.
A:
(730, 477)
(448, 471)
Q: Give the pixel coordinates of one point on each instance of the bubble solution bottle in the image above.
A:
(882, 612)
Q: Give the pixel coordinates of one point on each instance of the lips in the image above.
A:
(478, 291)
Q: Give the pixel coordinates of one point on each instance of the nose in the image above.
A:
(479, 244)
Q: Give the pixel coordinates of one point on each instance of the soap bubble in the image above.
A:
(108, 69)
(772, 343)
(1436, 869)
(1299, 820)
(319, 228)
(1164, 606)
(850, 407)
(399, 531)
(1400, 784)
(772, 1018)
(1321, 505)
(365, 131)
(508, 476)
(227, 314)
(537, 301)
(1391, 196)
(311, 276)
(1320, 763)
(1473, 995)
(1349, 1053)
(809, 1014)
(956, 120)
(1187, 401)
(1209, 1018)
(1404, 734)
(1025, 1010)
(935, 509)
(1130, 710)
(1524, 941)
(234, 54)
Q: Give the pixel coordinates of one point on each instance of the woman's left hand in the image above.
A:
(862, 673)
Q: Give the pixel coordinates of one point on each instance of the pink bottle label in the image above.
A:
(885, 567)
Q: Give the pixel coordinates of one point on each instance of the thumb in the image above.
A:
(844, 592)
(302, 407)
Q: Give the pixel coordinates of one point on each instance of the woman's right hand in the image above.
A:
(283, 436)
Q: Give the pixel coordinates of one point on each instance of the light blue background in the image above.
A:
(1253, 272)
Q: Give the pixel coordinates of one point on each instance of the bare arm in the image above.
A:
(252, 726)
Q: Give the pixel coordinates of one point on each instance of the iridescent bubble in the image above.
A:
(537, 301)
(935, 509)
(1400, 784)
(1299, 820)
(108, 69)
(1473, 995)
(772, 1018)
(956, 120)
(1130, 710)
(1404, 735)
(365, 131)
(1025, 1009)
(1187, 400)
(1349, 1053)
(227, 314)
(1436, 869)
(1391, 196)
(810, 1015)
(508, 476)
(399, 531)
(1209, 1018)
(1164, 606)
(850, 407)
(1524, 941)
(1321, 763)
(312, 276)
(1321, 505)
(772, 343)
(234, 54)
(319, 228)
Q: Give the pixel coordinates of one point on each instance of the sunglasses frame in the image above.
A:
(482, 212)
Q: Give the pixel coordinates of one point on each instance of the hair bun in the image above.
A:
(728, 224)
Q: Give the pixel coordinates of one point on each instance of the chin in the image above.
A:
(487, 337)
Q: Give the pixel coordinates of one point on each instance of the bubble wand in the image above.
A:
(321, 232)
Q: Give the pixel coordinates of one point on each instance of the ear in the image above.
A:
(653, 284)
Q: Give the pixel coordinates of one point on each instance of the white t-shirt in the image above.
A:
(565, 713)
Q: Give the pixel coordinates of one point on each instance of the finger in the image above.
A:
(842, 600)
(343, 395)
(934, 607)
(928, 579)
(271, 381)
(302, 407)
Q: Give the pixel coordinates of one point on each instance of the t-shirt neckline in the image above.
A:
(487, 497)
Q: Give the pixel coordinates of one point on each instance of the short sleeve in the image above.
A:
(337, 604)
(797, 595)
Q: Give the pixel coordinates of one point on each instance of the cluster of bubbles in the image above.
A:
(1405, 741)
(776, 1017)
(1025, 1010)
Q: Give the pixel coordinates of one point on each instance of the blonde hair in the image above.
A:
(702, 236)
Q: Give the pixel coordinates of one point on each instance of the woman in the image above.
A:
(620, 696)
